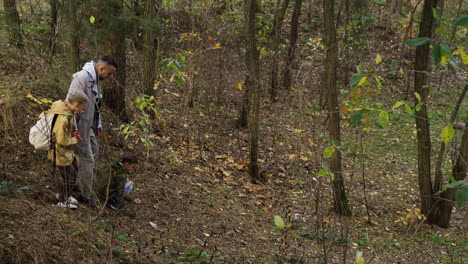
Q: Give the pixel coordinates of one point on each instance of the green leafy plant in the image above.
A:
(141, 128)
(358, 104)
(193, 255)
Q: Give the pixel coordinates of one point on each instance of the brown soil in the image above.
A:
(198, 204)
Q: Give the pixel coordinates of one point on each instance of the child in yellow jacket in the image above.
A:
(65, 139)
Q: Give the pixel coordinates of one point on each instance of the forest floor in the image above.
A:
(198, 203)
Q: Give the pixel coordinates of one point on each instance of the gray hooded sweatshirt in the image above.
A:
(87, 81)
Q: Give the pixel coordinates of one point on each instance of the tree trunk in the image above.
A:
(310, 13)
(442, 212)
(251, 55)
(114, 91)
(278, 24)
(438, 179)
(53, 26)
(13, 23)
(253, 74)
(422, 67)
(74, 37)
(395, 6)
(331, 61)
(150, 46)
(139, 10)
(287, 78)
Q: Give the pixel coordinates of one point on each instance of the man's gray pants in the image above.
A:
(87, 151)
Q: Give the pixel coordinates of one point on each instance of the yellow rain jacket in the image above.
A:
(63, 129)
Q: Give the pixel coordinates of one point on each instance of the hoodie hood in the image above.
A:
(59, 107)
(89, 67)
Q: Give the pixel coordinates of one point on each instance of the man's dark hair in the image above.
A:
(129, 157)
(109, 60)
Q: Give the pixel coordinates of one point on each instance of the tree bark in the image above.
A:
(290, 63)
(422, 67)
(331, 61)
(278, 25)
(395, 6)
(138, 10)
(251, 55)
(53, 26)
(13, 23)
(253, 75)
(74, 47)
(114, 91)
(150, 46)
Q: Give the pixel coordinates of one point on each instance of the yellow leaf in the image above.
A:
(217, 46)
(156, 84)
(210, 38)
(359, 258)
(444, 60)
(362, 81)
(463, 55)
(46, 101)
(238, 86)
(30, 96)
(378, 59)
(377, 79)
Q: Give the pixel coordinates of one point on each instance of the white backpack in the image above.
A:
(40, 135)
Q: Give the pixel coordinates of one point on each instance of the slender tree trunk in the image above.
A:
(13, 23)
(422, 67)
(251, 55)
(395, 6)
(442, 211)
(114, 91)
(278, 25)
(53, 26)
(243, 120)
(253, 72)
(287, 78)
(150, 46)
(454, 27)
(331, 62)
(438, 179)
(74, 47)
(138, 10)
(408, 34)
(310, 9)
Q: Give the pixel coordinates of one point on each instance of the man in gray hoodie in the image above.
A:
(88, 80)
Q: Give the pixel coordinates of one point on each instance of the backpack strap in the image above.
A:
(52, 145)
(52, 141)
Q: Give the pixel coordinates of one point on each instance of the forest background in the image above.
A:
(293, 131)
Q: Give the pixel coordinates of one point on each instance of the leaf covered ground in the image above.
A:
(198, 204)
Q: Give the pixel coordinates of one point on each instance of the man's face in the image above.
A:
(76, 108)
(105, 71)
